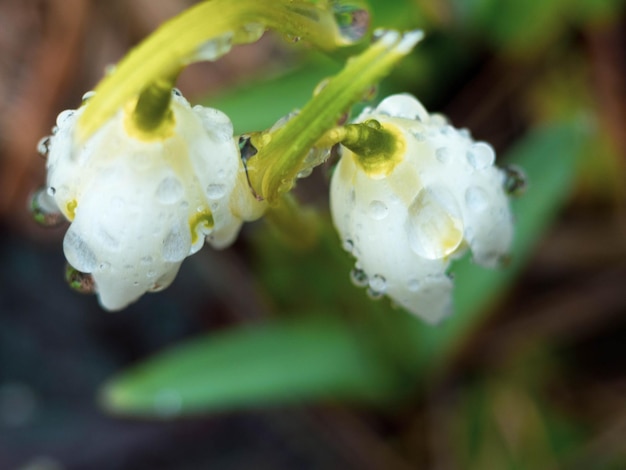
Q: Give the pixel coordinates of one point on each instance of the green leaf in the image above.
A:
(284, 361)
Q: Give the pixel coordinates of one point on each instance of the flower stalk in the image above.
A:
(273, 170)
(206, 32)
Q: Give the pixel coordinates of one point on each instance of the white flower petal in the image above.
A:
(405, 227)
(139, 208)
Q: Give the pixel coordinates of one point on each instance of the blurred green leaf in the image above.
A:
(287, 361)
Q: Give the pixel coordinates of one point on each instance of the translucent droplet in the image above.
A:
(79, 281)
(169, 191)
(378, 283)
(353, 20)
(44, 209)
(514, 180)
(374, 294)
(443, 155)
(404, 106)
(359, 277)
(43, 146)
(248, 33)
(434, 225)
(481, 156)
(378, 210)
(104, 266)
(176, 245)
(320, 86)
(305, 173)
(419, 135)
(146, 260)
(176, 92)
(78, 253)
(215, 191)
(348, 245)
(476, 198)
(413, 285)
(214, 48)
(63, 116)
(87, 96)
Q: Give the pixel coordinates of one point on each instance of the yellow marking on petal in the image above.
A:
(202, 219)
(70, 210)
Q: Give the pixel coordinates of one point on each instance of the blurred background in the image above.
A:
(279, 362)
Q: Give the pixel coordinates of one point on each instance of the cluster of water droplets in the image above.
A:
(352, 20)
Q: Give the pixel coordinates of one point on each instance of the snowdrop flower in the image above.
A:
(138, 207)
(407, 216)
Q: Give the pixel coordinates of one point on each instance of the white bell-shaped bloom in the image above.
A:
(138, 207)
(440, 195)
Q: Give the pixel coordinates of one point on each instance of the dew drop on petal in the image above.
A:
(88, 95)
(434, 226)
(378, 283)
(43, 146)
(378, 210)
(248, 33)
(359, 277)
(353, 20)
(79, 281)
(443, 155)
(348, 245)
(216, 191)
(374, 294)
(169, 191)
(481, 155)
(78, 253)
(476, 198)
(63, 116)
(176, 245)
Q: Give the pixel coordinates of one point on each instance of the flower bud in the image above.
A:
(406, 215)
(139, 205)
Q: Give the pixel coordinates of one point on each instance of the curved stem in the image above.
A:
(179, 42)
(272, 171)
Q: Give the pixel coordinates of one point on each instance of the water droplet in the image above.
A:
(419, 135)
(413, 285)
(248, 33)
(168, 403)
(44, 209)
(434, 226)
(359, 277)
(79, 281)
(214, 48)
(87, 96)
(146, 260)
(104, 266)
(476, 198)
(320, 86)
(305, 173)
(215, 191)
(443, 155)
(378, 210)
(374, 294)
(481, 155)
(514, 180)
(348, 245)
(63, 116)
(43, 146)
(374, 124)
(78, 253)
(176, 245)
(151, 273)
(176, 92)
(353, 20)
(378, 283)
(403, 106)
(169, 191)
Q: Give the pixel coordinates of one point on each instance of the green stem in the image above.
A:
(179, 42)
(272, 171)
(296, 225)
